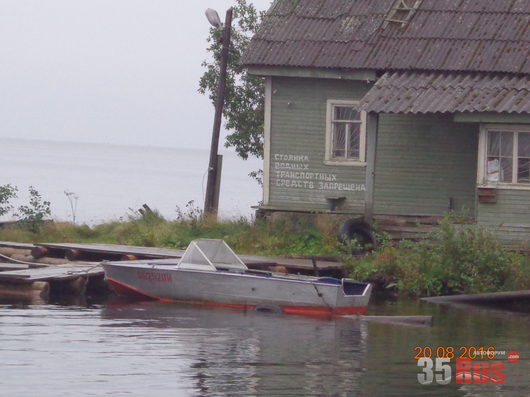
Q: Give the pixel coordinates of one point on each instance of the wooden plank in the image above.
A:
(407, 229)
(411, 220)
(396, 320)
(16, 245)
(58, 272)
(12, 266)
(8, 275)
(152, 252)
(493, 297)
(362, 75)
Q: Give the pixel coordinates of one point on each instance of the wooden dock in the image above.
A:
(102, 252)
(114, 252)
(36, 284)
(35, 271)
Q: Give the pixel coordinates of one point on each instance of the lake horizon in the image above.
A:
(112, 181)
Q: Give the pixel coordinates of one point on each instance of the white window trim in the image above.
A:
(328, 160)
(482, 156)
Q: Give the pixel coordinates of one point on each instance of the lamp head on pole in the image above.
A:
(213, 17)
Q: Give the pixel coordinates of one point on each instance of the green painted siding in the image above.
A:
(298, 129)
(509, 217)
(422, 162)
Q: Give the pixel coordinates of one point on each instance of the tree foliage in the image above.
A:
(7, 192)
(244, 100)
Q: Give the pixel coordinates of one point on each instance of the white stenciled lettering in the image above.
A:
(289, 166)
(297, 158)
(292, 171)
(349, 187)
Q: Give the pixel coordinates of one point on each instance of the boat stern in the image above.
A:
(353, 297)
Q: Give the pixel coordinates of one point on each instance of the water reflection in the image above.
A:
(235, 353)
(83, 348)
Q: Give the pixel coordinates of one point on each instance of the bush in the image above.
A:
(453, 259)
(7, 192)
(32, 215)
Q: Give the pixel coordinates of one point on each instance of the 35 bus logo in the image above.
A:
(467, 371)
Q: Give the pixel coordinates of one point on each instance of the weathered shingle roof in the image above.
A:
(450, 35)
(428, 92)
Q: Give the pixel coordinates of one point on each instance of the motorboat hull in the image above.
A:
(246, 290)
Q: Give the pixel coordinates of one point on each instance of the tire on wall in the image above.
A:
(359, 230)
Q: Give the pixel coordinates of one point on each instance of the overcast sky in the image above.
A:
(106, 71)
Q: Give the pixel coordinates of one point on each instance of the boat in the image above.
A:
(210, 273)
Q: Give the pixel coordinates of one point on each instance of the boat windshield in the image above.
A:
(210, 254)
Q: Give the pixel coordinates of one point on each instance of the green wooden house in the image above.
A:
(397, 109)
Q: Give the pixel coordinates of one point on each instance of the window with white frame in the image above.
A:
(345, 133)
(506, 155)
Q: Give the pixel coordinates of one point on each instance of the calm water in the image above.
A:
(110, 179)
(164, 349)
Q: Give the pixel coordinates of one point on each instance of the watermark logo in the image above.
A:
(471, 365)
(513, 356)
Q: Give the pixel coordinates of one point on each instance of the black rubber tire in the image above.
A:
(358, 229)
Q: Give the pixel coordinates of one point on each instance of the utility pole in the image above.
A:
(211, 201)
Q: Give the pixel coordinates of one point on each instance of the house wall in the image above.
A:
(425, 164)
(509, 217)
(299, 179)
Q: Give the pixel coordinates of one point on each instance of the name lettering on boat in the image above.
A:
(154, 276)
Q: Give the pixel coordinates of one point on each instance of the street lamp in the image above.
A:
(211, 201)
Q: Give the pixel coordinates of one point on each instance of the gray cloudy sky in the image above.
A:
(109, 71)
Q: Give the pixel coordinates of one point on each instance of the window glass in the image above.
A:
(345, 133)
(523, 162)
(345, 113)
(494, 140)
(339, 140)
(506, 173)
(500, 162)
(524, 144)
(523, 170)
(506, 147)
(355, 140)
(500, 143)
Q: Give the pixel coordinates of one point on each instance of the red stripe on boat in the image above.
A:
(124, 289)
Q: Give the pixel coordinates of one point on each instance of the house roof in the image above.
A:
(442, 35)
(432, 92)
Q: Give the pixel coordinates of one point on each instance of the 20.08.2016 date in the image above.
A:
(450, 352)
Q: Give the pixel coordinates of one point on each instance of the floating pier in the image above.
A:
(486, 298)
(413, 321)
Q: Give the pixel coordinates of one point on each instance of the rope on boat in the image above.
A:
(321, 296)
(83, 271)
(18, 261)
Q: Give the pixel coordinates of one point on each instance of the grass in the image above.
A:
(454, 259)
(283, 237)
